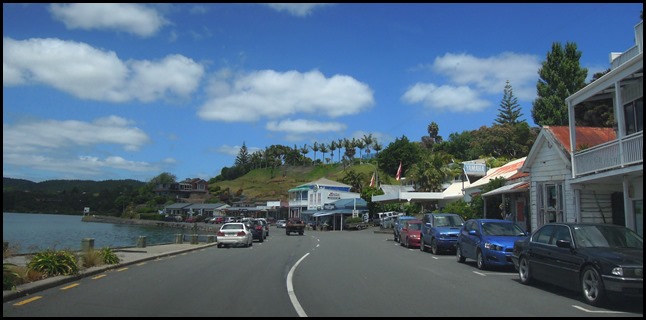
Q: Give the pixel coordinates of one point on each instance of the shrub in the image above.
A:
(108, 256)
(91, 258)
(54, 263)
(10, 278)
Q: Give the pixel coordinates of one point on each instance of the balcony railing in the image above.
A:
(606, 156)
(633, 51)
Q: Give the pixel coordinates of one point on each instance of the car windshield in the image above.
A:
(447, 221)
(606, 236)
(501, 229)
(415, 226)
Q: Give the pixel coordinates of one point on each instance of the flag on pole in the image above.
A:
(399, 171)
(372, 180)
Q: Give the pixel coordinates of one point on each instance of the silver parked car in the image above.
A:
(234, 234)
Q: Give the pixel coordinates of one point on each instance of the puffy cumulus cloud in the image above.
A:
(174, 73)
(297, 9)
(52, 145)
(304, 126)
(271, 94)
(41, 136)
(445, 98)
(138, 19)
(90, 73)
(489, 75)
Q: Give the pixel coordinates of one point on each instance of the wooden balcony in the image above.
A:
(612, 155)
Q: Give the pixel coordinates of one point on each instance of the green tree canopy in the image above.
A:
(561, 75)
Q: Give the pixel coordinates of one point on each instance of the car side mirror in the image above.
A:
(473, 232)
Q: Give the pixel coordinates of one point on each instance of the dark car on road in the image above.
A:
(440, 232)
(597, 260)
(489, 242)
(257, 230)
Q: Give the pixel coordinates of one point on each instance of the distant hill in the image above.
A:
(54, 186)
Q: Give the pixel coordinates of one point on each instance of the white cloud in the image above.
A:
(471, 78)
(489, 75)
(90, 73)
(271, 94)
(138, 19)
(302, 126)
(42, 136)
(445, 98)
(63, 146)
(297, 9)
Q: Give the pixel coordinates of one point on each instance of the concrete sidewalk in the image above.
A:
(127, 256)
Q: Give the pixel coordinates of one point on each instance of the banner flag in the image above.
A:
(399, 171)
(372, 180)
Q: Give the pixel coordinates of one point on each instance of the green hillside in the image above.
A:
(273, 184)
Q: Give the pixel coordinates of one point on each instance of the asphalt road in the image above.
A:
(335, 273)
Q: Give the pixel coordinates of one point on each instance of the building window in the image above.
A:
(550, 204)
(634, 114)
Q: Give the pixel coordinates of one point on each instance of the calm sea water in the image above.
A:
(29, 233)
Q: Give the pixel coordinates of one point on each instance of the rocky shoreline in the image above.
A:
(195, 226)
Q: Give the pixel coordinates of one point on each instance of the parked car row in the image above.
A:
(598, 260)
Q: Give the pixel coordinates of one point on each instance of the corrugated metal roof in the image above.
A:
(585, 136)
(506, 171)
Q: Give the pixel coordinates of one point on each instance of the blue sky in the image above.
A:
(128, 91)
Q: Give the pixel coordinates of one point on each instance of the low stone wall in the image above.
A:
(201, 226)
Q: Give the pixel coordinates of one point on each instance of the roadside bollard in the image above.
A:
(210, 239)
(87, 244)
(141, 242)
(194, 239)
(179, 238)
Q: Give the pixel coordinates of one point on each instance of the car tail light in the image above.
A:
(258, 227)
(220, 234)
(241, 233)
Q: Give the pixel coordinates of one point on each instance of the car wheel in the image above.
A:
(422, 248)
(261, 239)
(592, 286)
(434, 249)
(458, 254)
(480, 261)
(219, 245)
(287, 233)
(523, 271)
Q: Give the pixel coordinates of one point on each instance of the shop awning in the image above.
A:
(512, 188)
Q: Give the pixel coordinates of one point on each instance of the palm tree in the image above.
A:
(368, 140)
(305, 150)
(377, 146)
(359, 143)
(324, 149)
(340, 144)
(332, 148)
(315, 148)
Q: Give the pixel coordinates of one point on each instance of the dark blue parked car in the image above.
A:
(490, 242)
(440, 231)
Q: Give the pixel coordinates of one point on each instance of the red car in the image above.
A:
(411, 233)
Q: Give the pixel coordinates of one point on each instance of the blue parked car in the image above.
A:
(399, 224)
(490, 242)
(440, 231)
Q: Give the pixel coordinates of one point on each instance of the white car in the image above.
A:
(234, 234)
(281, 224)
